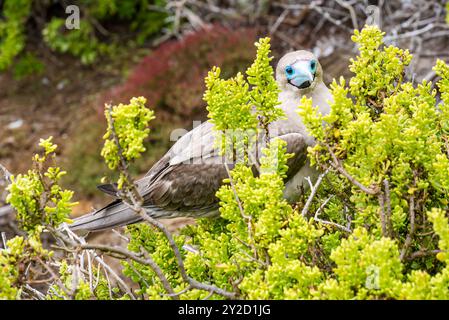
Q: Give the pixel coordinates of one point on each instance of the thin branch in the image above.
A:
(39, 295)
(422, 253)
(75, 276)
(194, 284)
(123, 166)
(74, 241)
(89, 267)
(125, 254)
(318, 212)
(109, 282)
(237, 199)
(339, 167)
(351, 10)
(388, 206)
(6, 174)
(383, 224)
(409, 238)
(313, 191)
(278, 21)
(55, 276)
(410, 34)
(175, 295)
(248, 219)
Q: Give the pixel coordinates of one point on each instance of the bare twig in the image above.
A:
(75, 278)
(4, 240)
(193, 283)
(75, 241)
(383, 224)
(410, 34)
(108, 281)
(351, 10)
(6, 174)
(422, 253)
(89, 268)
(318, 212)
(339, 167)
(388, 206)
(278, 21)
(121, 236)
(409, 238)
(35, 292)
(125, 254)
(55, 276)
(313, 190)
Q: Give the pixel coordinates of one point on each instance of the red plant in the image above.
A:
(172, 77)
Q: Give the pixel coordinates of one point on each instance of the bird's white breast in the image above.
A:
(321, 97)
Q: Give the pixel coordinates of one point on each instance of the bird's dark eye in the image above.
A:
(289, 70)
(313, 65)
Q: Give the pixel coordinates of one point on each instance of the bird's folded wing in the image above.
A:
(185, 187)
(192, 184)
(189, 175)
(296, 145)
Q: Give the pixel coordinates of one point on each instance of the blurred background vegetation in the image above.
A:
(55, 80)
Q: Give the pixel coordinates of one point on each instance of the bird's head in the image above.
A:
(299, 72)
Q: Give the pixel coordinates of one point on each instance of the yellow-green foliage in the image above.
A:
(230, 110)
(130, 123)
(99, 291)
(39, 203)
(420, 284)
(80, 42)
(19, 251)
(240, 108)
(393, 132)
(42, 205)
(380, 229)
(12, 38)
(389, 135)
(264, 93)
(37, 197)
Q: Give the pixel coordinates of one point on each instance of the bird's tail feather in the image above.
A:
(113, 215)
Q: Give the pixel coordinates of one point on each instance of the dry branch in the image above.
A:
(313, 190)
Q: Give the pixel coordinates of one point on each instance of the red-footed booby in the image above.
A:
(184, 181)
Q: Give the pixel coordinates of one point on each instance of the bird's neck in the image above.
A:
(291, 100)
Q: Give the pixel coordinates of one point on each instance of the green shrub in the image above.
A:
(384, 145)
(80, 42)
(40, 203)
(12, 30)
(42, 206)
(380, 228)
(37, 197)
(27, 65)
(88, 42)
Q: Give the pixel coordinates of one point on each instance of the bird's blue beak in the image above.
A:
(301, 73)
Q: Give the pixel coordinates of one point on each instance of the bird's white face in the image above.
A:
(298, 72)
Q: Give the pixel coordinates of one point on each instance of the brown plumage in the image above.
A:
(184, 181)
